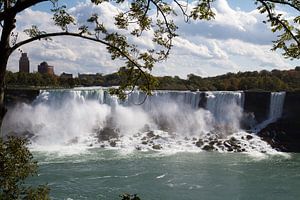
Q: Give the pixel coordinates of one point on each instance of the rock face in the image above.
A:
(107, 134)
(13, 96)
(285, 133)
(203, 100)
(257, 103)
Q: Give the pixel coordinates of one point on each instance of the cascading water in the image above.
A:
(276, 105)
(275, 110)
(167, 120)
(226, 107)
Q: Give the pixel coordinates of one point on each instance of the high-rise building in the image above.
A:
(24, 63)
(44, 68)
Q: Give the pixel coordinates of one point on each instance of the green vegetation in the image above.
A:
(275, 80)
(16, 164)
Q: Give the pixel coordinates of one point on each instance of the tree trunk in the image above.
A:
(3, 64)
(5, 51)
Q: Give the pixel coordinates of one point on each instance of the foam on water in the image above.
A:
(70, 121)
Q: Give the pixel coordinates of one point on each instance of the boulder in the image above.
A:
(208, 148)
(144, 142)
(199, 143)
(249, 137)
(113, 143)
(107, 134)
(157, 146)
(150, 134)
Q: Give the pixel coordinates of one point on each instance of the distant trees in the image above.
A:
(274, 80)
(265, 80)
(31, 79)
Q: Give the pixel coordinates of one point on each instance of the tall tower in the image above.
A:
(24, 63)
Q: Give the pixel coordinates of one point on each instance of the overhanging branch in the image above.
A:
(18, 7)
(47, 35)
(284, 3)
(272, 18)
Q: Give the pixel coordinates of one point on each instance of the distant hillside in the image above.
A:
(275, 80)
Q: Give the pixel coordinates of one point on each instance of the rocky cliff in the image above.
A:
(13, 96)
(284, 134)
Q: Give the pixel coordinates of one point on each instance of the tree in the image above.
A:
(16, 164)
(133, 23)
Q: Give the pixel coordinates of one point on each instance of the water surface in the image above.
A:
(105, 174)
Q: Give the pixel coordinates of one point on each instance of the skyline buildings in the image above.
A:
(44, 68)
(24, 64)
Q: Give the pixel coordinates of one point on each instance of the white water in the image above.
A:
(276, 105)
(226, 107)
(275, 110)
(68, 120)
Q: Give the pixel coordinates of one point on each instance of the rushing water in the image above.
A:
(90, 145)
(173, 121)
(105, 174)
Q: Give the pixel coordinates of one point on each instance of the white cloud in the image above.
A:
(235, 41)
(187, 47)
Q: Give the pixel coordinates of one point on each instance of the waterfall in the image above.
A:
(217, 102)
(59, 119)
(276, 105)
(226, 107)
(58, 96)
(275, 110)
(190, 99)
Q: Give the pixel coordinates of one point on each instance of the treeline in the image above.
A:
(274, 80)
(21, 79)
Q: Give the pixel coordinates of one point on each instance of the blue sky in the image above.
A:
(246, 5)
(236, 40)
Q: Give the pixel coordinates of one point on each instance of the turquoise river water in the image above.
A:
(105, 174)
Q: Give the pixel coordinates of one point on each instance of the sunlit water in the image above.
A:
(105, 174)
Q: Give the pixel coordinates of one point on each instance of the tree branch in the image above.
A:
(164, 17)
(184, 12)
(18, 7)
(285, 3)
(47, 35)
(279, 21)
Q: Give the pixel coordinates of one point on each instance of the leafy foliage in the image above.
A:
(288, 39)
(16, 164)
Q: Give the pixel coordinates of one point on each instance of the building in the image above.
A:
(66, 75)
(44, 68)
(24, 63)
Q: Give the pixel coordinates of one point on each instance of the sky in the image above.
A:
(236, 40)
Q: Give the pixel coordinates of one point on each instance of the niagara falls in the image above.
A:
(87, 138)
(149, 100)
